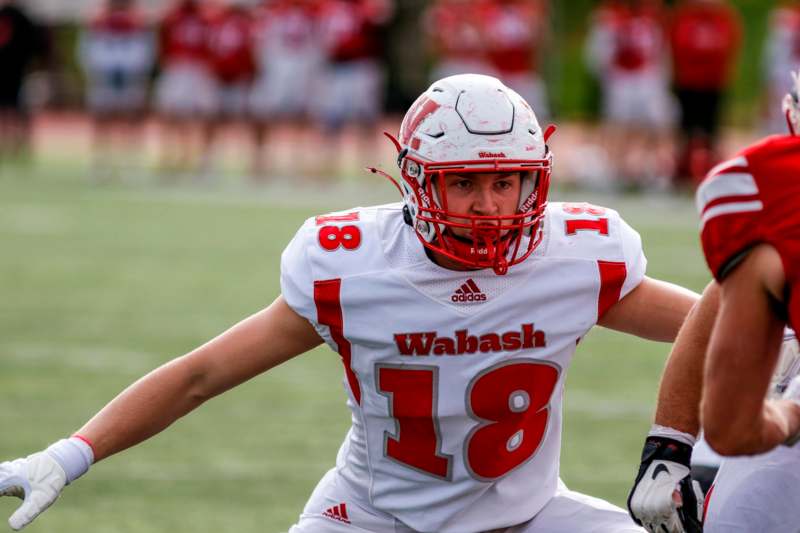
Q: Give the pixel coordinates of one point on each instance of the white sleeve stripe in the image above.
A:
(740, 161)
(725, 185)
(728, 208)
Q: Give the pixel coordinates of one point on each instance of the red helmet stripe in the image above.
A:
(419, 111)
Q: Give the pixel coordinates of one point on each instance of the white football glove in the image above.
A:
(792, 393)
(788, 365)
(39, 478)
(664, 498)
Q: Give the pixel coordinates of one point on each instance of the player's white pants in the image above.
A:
(333, 509)
(639, 99)
(757, 494)
(186, 90)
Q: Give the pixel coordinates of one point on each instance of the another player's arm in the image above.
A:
(663, 496)
(742, 354)
(678, 404)
(254, 345)
(653, 310)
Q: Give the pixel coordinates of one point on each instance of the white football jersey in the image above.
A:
(455, 378)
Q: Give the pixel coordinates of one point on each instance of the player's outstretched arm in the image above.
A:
(258, 343)
(742, 354)
(654, 310)
(664, 497)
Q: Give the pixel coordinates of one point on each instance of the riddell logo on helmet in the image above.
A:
(492, 155)
(529, 201)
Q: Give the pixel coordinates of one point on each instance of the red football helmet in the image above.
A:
(471, 123)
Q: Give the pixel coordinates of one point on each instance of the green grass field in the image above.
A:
(99, 284)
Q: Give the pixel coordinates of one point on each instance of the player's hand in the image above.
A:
(792, 393)
(664, 498)
(39, 478)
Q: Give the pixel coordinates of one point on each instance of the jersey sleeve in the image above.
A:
(297, 279)
(633, 256)
(729, 206)
(598, 235)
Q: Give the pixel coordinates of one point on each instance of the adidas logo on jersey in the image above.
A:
(338, 512)
(468, 292)
(425, 343)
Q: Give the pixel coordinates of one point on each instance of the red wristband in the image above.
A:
(87, 441)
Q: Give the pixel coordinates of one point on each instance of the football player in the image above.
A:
(117, 53)
(750, 240)
(186, 91)
(230, 48)
(454, 38)
(513, 33)
(626, 50)
(456, 313)
(351, 84)
(288, 52)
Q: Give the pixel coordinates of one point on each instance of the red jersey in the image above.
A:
(351, 28)
(454, 30)
(283, 26)
(705, 39)
(184, 34)
(231, 45)
(638, 38)
(512, 32)
(750, 199)
(118, 21)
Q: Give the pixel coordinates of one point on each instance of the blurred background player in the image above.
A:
(626, 51)
(288, 54)
(781, 55)
(185, 92)
(352, 83)
(117, 53)
(453, 32)
(230, 52)
(705, 38)
(20, 43)
(514, 33)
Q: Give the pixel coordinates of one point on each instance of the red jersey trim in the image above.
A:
(612, 277)
(329, 313)
(729, 200)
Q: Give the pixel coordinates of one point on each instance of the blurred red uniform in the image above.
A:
(288, 53)
(705, 39)
(513, 32)
(186, 86)
(454, 32)
(116, 52)
(626, 49)
(230, 48)
(184, 34)
(350, 32)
